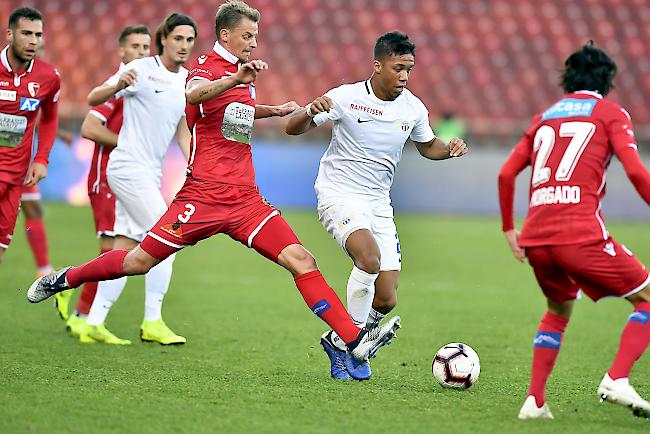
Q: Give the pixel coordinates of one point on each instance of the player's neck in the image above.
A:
(17, 65)
(378, 91)
(169, 63)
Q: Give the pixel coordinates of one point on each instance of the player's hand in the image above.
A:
(457, 147)
(287, 108)
(35, 173)
(247, 73)
(127, 79)
(321, 104)
(512, 236)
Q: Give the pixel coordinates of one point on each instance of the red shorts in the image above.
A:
(600, 269)
(202, 209)
(9, 204)
(103, 205)
(30, 193)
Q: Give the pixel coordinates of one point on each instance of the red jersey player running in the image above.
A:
(27, 85)
(220, 195)
(569, 147)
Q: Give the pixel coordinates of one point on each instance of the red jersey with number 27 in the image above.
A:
(221, 128)
(569, 148)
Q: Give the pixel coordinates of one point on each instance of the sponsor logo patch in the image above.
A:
(320, 308)
(640, 316)
(173, 229)
(7, 95)
(29, 104)
(569, 107)
(547, 340)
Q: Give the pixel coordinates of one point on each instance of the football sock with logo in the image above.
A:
(156, 283)
(374, 318)
(361, 291)
(108, 266)
(324, 302)
(634, 341)
(87, 294)
(546, 348)
(37, 238)
(108, 292)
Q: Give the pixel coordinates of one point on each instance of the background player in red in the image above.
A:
(102, 125)
(27, 86)
(569, 147)
(220, 195)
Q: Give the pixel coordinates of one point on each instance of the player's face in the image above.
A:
(179, 43)
(25, 39)
(393, 73)
(241, 40)
(136, 46)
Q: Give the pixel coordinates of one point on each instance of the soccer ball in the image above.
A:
(456, 366)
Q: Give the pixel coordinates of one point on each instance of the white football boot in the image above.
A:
(530, 410)
(622, 393)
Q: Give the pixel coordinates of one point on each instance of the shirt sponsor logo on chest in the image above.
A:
(7, 95)
(29, 104)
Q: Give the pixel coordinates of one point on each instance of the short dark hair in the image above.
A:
(29, 14)
(138, 29)
(393, 43)
(589, 68)
(168, 25)
(230, 14)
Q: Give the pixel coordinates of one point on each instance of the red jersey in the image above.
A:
(569, 148)
(111, 113)
(221, 128)
(22, 95)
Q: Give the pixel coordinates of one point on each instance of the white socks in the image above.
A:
(361, 292)
(156, 285)
(108, 291)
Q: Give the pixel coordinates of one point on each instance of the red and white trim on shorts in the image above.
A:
(638, 288)
(4, 246)
(259, 227)
(164, 241)
(105, 234)
(30, 196)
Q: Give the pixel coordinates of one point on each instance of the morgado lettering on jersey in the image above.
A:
(560, 194)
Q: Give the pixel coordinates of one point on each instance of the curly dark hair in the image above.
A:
(589, 68)
(393, 43)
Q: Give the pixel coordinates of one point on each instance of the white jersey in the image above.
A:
(153, 107)
(367, 141)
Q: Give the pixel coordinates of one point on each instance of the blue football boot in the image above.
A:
(337, 357)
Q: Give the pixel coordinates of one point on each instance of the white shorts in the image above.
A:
(341, 218)
(138, 204)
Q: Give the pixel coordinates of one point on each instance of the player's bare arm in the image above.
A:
(267, 111)
(436, 149)
(183, 136)
(199, 90)
(301, 120)
(94, 129)
(104, 92)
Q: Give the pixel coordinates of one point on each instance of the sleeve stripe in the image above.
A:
(98, 115)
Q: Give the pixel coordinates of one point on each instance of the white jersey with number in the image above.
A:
(368, 137)
(153, 107)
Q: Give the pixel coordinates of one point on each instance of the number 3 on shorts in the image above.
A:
(189, 210)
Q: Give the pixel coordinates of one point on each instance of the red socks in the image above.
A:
(88, 294)
(37, 239)
(546, 347)
(324, 302)
(105, 267)
(634, 341)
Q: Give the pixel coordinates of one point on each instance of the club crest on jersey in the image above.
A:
(251, 89)
(404, 125)
(29, 104)
(202, 59)
(33, 88)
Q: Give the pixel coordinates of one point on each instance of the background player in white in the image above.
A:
(153, 89)
(373, 119)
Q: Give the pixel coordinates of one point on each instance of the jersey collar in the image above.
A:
(5, 60)
(218, 48)
(589, 92)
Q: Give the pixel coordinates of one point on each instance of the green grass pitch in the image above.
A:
(253, 363)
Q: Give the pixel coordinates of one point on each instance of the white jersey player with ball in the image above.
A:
(153, 89)
(372, 121)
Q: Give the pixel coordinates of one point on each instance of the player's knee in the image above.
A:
(386, 303)
(642, 296)
(297, 260)
(137, 264)
(368, 262)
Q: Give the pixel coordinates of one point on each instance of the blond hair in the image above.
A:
(230, 14)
